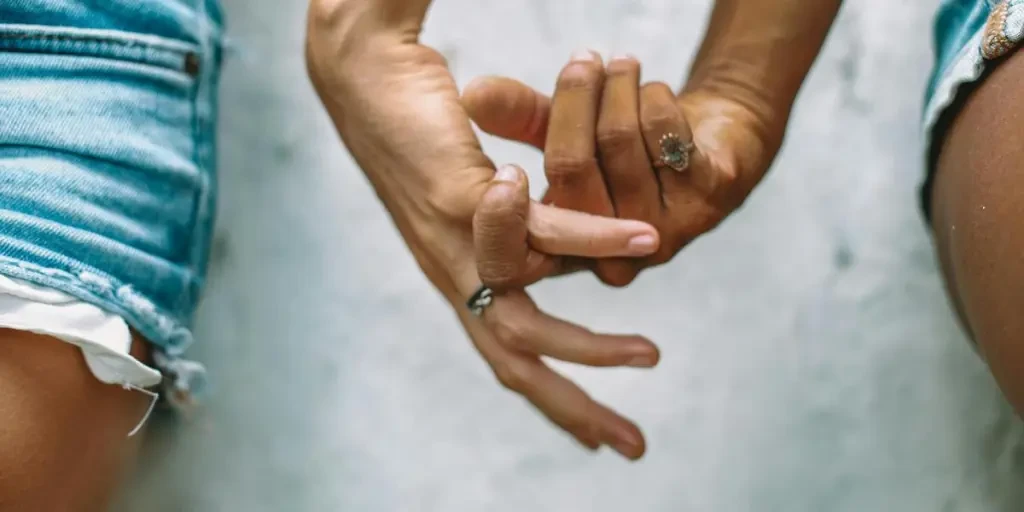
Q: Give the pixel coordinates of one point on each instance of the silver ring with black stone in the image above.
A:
(480, 299)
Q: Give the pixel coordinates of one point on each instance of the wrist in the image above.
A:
(337, 33)
(353, 23)
(758, 54)
(347, 39)
(744, 85)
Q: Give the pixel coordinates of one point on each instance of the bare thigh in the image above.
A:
(63, 434)
(978, 221)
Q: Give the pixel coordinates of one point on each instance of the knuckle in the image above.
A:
(710, 219)
(577, 426)
(661, 120)
(617, 138)
(628, 192)
(668, 250)
(700, 221)
(511, 375)
(450, 204)
(617, 276)
(561, 167)
(723, 183)
(617, 279)
(664, 256)
(511, 335)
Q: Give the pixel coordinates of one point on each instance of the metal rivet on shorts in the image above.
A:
(191, 64)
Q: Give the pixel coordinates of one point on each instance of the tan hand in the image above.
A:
(396, 107)
(600, 136)
(509, 230)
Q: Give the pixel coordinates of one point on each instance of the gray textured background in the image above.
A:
(810, 359)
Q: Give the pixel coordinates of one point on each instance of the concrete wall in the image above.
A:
(811, 362)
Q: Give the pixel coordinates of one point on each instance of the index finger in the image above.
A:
(570, 233)
(516, 241)
(570, 153)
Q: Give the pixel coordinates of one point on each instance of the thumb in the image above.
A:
(509, 231)
(509, 109)
(504, 259)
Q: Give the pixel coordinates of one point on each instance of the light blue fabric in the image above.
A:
(961, 30)
(955, 24)
(107, 168)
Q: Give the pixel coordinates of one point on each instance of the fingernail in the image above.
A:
(623, 56)
(582, 55)
(507, 173)
(643, 244)
(641, 362)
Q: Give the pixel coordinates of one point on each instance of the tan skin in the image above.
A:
(425, 162)
(976, 197)
(602, 141)
(52, 405)
(64, 434)
(977, 209)
(600, 135)
(398, 111)
(396, 107)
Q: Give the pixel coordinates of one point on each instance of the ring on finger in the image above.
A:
(480, 299)
(675, 154)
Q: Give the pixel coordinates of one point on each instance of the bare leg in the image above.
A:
(978, 220)
(63, 434)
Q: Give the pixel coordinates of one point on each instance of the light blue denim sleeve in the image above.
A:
(107, 165)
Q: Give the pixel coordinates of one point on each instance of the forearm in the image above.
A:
(759, 52)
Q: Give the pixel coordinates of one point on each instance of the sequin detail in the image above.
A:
(994, 43)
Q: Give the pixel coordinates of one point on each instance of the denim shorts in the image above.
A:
(970, 38)
(107, 158)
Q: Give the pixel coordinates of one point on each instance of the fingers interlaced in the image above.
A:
(513, 335)
(624, 157)
(570, 158)
(624, 161)
(570, 154)
(660, 115)
(688, 194)
(518, 241)
(503, 258)
(596, 134)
